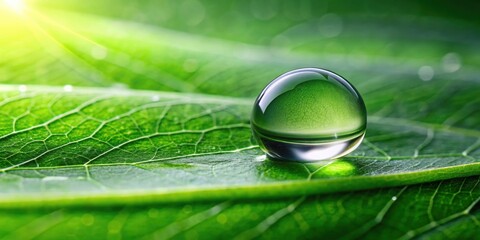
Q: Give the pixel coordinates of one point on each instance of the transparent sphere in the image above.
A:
(309, 114)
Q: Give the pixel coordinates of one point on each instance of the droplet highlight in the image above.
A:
(307, 115)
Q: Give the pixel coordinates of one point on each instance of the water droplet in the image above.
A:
(68, 88)
(426, 73)
(155, 98)
(451, 62)
(307, 115)
(394, 198)
(22, 88)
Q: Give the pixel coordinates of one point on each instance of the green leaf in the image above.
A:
(101, 145)
(115, 126)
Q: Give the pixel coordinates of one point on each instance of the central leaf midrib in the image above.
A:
(261, 191)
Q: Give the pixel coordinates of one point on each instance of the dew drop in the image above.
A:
(307, 115)
(451, 62)
(68, 88)
(426, 73)
(155, 98)
(22, 88)
(394, 198)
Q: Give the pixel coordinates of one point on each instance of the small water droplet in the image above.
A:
(426, 73)
(451, 62)
(68, 88)
(155, 98)
(307, 115)
(22, 88)
(394, 198)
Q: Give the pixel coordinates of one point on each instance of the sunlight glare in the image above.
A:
(15, 5)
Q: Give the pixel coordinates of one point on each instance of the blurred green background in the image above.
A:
(234, 48)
